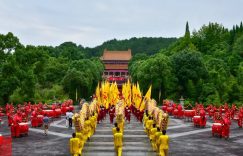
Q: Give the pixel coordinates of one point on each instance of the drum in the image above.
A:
(164, 108)
(23, 127)
(1, 139)
(49, 113)
(64, 110)
(170, 110)
(196, 120)
(217, 128)
(189, 114)
(58, 112)
(40, 120)
(71, 108)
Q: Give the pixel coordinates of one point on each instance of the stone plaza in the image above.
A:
(185, 140)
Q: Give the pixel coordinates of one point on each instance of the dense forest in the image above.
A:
(148, 45)
(40, 73)
(205, 66)
(46, 73)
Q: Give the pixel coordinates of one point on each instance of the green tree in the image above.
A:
(188, 66)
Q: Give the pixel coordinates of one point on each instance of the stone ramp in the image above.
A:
(136, 141)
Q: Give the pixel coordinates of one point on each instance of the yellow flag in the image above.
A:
(146, 97)
(97, 94)
(142, 106)
(148, 94)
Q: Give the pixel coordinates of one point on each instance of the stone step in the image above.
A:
(101, 153)
(124, 153)
(127, 138)
(135, 142)
(126, 132)
(112, 143)
(110, 148)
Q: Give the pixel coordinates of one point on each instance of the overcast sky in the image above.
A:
(91, 22)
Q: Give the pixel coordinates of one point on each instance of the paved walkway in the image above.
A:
(136, 141)
(185, 140)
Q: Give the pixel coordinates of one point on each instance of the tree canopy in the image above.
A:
(205, 66)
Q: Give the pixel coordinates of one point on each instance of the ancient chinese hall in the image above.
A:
(116, 65)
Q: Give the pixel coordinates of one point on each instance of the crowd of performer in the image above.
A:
(221, 116)
(119, 110)
(155, 123)
(85, 123)
(37, 114)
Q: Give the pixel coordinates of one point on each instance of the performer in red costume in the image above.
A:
(15, 130)
(240, 118)
(112, 113)
(140, 115)
(128, 114)
(202, 114)
(226, 128)
(34, 119)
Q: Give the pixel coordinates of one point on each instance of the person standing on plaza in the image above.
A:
(164, 144)
(70, 119)
(118, 139)
(46, 124)
(67, 119)
(74, 144)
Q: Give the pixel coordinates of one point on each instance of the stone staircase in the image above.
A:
(136, 142)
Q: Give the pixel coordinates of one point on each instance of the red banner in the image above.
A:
(116, 78)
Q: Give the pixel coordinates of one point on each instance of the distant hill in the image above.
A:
(148, 45)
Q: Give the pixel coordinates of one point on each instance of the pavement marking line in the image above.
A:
(51, 133)
(239, 141)
(60, 126)
(190, 132)
(59, 121)
(99, 130)
(236, 135)
(179, 126)
(178, 121)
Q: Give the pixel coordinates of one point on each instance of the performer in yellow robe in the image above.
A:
(152, 137)
(93, 124)
(74, 146)
(145, 117)
(114, 129)
(87, 129)
(121, 125)
(80, 135)
(164, 144)
(157, 135)
(118, 139)
(96, 118)
(149, 125)
(77, 122)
